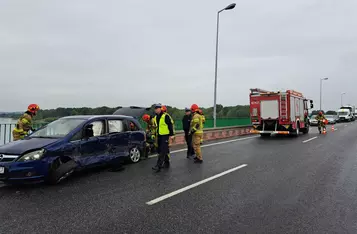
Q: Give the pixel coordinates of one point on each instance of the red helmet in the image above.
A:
(164, 108)
(194, 107)
(33, 108)
(320, 113)
(146, 118)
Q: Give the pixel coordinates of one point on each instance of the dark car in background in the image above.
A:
(72, 143)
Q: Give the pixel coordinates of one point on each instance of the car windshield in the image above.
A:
(329, 116)
(57, 129)
(313, 117)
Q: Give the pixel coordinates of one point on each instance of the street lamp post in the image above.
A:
(229, 7)
(321, 91)
(341, 98)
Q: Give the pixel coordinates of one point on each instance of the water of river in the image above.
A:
(6, 126)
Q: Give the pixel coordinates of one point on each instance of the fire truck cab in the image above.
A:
(281, 112)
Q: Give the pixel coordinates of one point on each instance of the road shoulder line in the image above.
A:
(208, 145)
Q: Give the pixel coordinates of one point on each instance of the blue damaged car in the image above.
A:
(55, 151)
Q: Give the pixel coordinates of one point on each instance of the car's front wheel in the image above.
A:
(134, 155)
(60, 169)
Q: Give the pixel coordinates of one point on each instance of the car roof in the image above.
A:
(88, 117)
(134, 111)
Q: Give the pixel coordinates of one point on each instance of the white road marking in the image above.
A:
(159, 199)
(212, 144)
(346, 125)
(313, 138)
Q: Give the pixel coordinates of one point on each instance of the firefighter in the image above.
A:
(24, 124)
(196, 130)
(165, 133)
(150, 130)
(203, 121)
(186, 122)
(321, 121)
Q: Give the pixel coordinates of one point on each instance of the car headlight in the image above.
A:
(31, 156)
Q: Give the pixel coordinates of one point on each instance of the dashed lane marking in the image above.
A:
(164, 197)
(313, 138)
(208, 145)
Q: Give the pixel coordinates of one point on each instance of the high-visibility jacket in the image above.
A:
(24, 124)
(196, 123)
(162, 126)
(172, 121)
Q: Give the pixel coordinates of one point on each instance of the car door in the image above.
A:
(118, 139)
(94, 149)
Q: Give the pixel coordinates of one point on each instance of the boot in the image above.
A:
(167, 164)
(156, 168)
(198, 160)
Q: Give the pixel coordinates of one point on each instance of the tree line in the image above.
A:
(47, 115)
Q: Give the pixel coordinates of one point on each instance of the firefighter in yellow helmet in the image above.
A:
(203, 121)
(196, 129)
(24, 124)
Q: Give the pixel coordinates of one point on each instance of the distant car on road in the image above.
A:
(313, 121)
(332, 119)
(55, 151)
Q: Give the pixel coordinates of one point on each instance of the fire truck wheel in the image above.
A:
(306, 130)
(296, 132)
(265, 134)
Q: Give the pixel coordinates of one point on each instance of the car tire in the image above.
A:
(60, 171)
(134, 155)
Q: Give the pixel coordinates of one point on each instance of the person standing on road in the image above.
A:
(165, 133)
(164, 110)
(24, 124)
(203, 121)
(196, 130)
(186, 122)
(150, 130)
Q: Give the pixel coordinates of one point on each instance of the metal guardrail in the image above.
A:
(6, 131)
(6, 128)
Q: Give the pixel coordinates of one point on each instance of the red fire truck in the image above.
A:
(281, 112)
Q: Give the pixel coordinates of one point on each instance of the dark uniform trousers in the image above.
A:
(163, 150)
(188, 139)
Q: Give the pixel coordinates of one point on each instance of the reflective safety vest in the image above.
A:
(163, 127)
(197, 123)
(172, 121)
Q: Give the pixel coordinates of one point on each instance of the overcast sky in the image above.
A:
(92, 53)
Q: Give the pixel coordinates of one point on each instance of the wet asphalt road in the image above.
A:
(290, 185)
